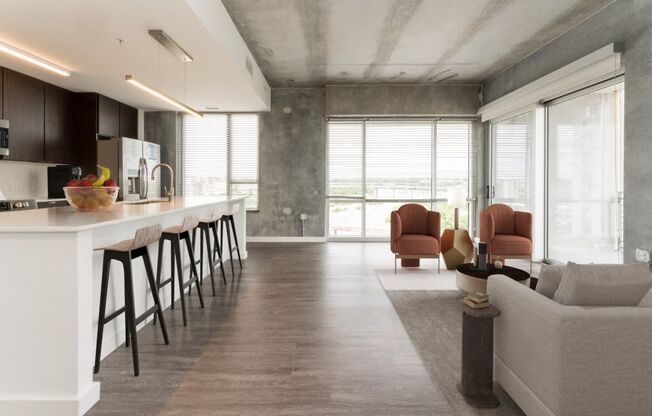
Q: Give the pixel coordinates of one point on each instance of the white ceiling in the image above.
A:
(83, 36)
(317, 42)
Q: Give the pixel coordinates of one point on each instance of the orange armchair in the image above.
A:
(415, 235)
(508, 233)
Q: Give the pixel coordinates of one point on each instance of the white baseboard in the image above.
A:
(265, 239)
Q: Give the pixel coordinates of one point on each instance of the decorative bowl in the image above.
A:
(91, 198)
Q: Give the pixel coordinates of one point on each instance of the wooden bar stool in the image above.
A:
(205, 226)
(124, 252)
(230, 225)
(174, 235)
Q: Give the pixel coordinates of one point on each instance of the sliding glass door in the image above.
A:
(585, 176)
(375, 166)
(512, 162)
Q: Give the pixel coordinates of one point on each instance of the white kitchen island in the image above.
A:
(51, 272)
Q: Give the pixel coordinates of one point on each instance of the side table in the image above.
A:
(456, 247)
(477, 357)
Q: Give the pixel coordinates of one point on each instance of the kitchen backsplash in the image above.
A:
(23, 179)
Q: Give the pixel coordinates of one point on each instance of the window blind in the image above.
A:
(512, 144)
(345, 158)
(205, 155)
(399, 160)
(219, 156)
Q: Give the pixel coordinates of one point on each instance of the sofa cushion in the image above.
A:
(510, 244)
(417, 244)
(603, 284)
(549, 279)
(647, 300)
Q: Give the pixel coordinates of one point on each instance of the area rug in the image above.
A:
(433, 319)
(416, 279)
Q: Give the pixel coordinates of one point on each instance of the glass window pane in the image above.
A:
(244, 147)
(204, 155)
(585, 154)
(242, 189)
(378, 217)
(344, 219)
(512, 146)
(345, 158)
(399, 160)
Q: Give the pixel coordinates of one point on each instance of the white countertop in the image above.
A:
(68, 219)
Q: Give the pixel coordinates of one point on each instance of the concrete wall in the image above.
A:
(402, 99)
(292, 165)
(629, 23)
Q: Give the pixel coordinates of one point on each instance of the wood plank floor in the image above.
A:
(305, 329)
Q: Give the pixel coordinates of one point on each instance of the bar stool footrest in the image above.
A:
(114, 315)
(146, 314)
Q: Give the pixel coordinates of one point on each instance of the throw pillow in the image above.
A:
(549, 279)
(647, 300)
(603, 284)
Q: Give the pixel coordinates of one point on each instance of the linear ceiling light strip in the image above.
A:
(153, 91)
(33, 59)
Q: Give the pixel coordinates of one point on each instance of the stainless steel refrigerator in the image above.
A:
(122, 155)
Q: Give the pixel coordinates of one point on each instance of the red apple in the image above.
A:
(85, 184)
(73, 183)
(110, 183)
(90, 177)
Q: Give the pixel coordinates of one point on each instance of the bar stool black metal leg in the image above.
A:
(172, 270)
(157, 300)
(235, 239)
(106, 267)
(176, 248)
(201, 256)
(130, 314)
(159, 266)
(217, 251)
(205, 229)
(193, 269)
(228, 237)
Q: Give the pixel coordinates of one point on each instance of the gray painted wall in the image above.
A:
(402, 99)
(629, 23)
(292, 158)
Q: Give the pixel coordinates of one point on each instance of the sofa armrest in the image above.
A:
(578, 361)
(396, 230)
(523, 224)
(434, 224)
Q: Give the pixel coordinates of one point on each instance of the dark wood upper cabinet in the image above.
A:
(108, 117)
(23, 105)
(128, 121)
(59, 125)
(2, 116)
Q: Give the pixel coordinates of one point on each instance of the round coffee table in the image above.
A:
(470, 279)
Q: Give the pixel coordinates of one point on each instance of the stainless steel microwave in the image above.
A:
(4, 138)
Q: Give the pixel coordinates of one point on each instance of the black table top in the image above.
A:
(513, 272)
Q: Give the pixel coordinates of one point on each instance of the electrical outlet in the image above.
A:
(642, 255)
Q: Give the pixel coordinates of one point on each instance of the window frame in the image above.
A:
(229, 159)
(472, 180)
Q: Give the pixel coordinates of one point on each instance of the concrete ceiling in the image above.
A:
(317, 42)
(101, 41)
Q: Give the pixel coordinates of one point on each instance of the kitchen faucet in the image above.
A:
(170, 193)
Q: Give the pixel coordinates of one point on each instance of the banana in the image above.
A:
(106, 174)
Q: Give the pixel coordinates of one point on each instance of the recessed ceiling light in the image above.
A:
(33, 59)
(158, 94)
